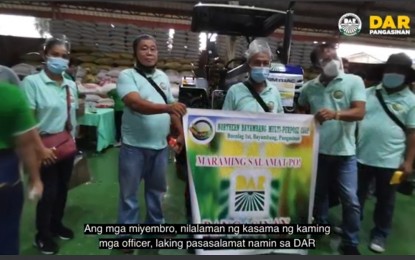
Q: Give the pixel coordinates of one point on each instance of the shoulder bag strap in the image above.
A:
(257, 97)
(388, 112)
(68, 125)
(154, 84)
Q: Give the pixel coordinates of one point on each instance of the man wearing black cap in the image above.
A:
(386, 142)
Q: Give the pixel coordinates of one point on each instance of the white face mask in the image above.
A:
(332, 68)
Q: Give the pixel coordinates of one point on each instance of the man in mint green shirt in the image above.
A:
(145, 126)
(337, 100)
(239, 98)
(383, 146)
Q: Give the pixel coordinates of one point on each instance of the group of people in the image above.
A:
(338, 100)
(43, 104)
(348, 159)
(359, 140)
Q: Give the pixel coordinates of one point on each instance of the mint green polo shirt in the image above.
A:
(239, 98)
(144, 131)
(337, 138)
(381, 142)
(48, 99)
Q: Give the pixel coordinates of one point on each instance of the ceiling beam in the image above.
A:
(129, 8)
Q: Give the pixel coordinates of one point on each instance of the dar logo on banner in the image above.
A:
(250, 193)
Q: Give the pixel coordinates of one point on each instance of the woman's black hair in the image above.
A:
(50, 43)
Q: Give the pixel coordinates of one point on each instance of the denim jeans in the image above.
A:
(136, 164)
(11, 203)
(345, 170)
(385, 197)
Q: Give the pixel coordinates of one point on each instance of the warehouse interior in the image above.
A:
(101, 35)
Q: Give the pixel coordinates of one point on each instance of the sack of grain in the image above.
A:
(114, 73)
(161, 67)
(113, 55)
(172, 65)
(108, 87)
(90, 78)
(186, 67)
(88, 58)
(80, 54)
(81, 72)
(126, 56)
(81, 48)
(186, 74)
(123, 62)
(24, 69)
(184, 61)
(174, 76)
(103, 67)
(97, 54)
(31, 57)
(104, 61)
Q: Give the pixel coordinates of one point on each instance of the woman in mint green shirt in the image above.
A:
(47, 96)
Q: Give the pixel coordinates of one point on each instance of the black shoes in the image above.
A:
(46, 245)
(349, 250)
(64, 233)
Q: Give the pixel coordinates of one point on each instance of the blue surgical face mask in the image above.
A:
(393, 80)
(57, 65)
(259, 74)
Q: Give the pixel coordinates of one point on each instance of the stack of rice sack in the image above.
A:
(30, 64)
(100, 67)
(176, 69)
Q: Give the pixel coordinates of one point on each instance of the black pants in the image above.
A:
(385, 197)
(182, 172)
(118, 121)
(51, 207)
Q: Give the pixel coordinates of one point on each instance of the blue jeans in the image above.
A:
(136, 164)
(385, 197)
(345, 169)
(11, 203)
